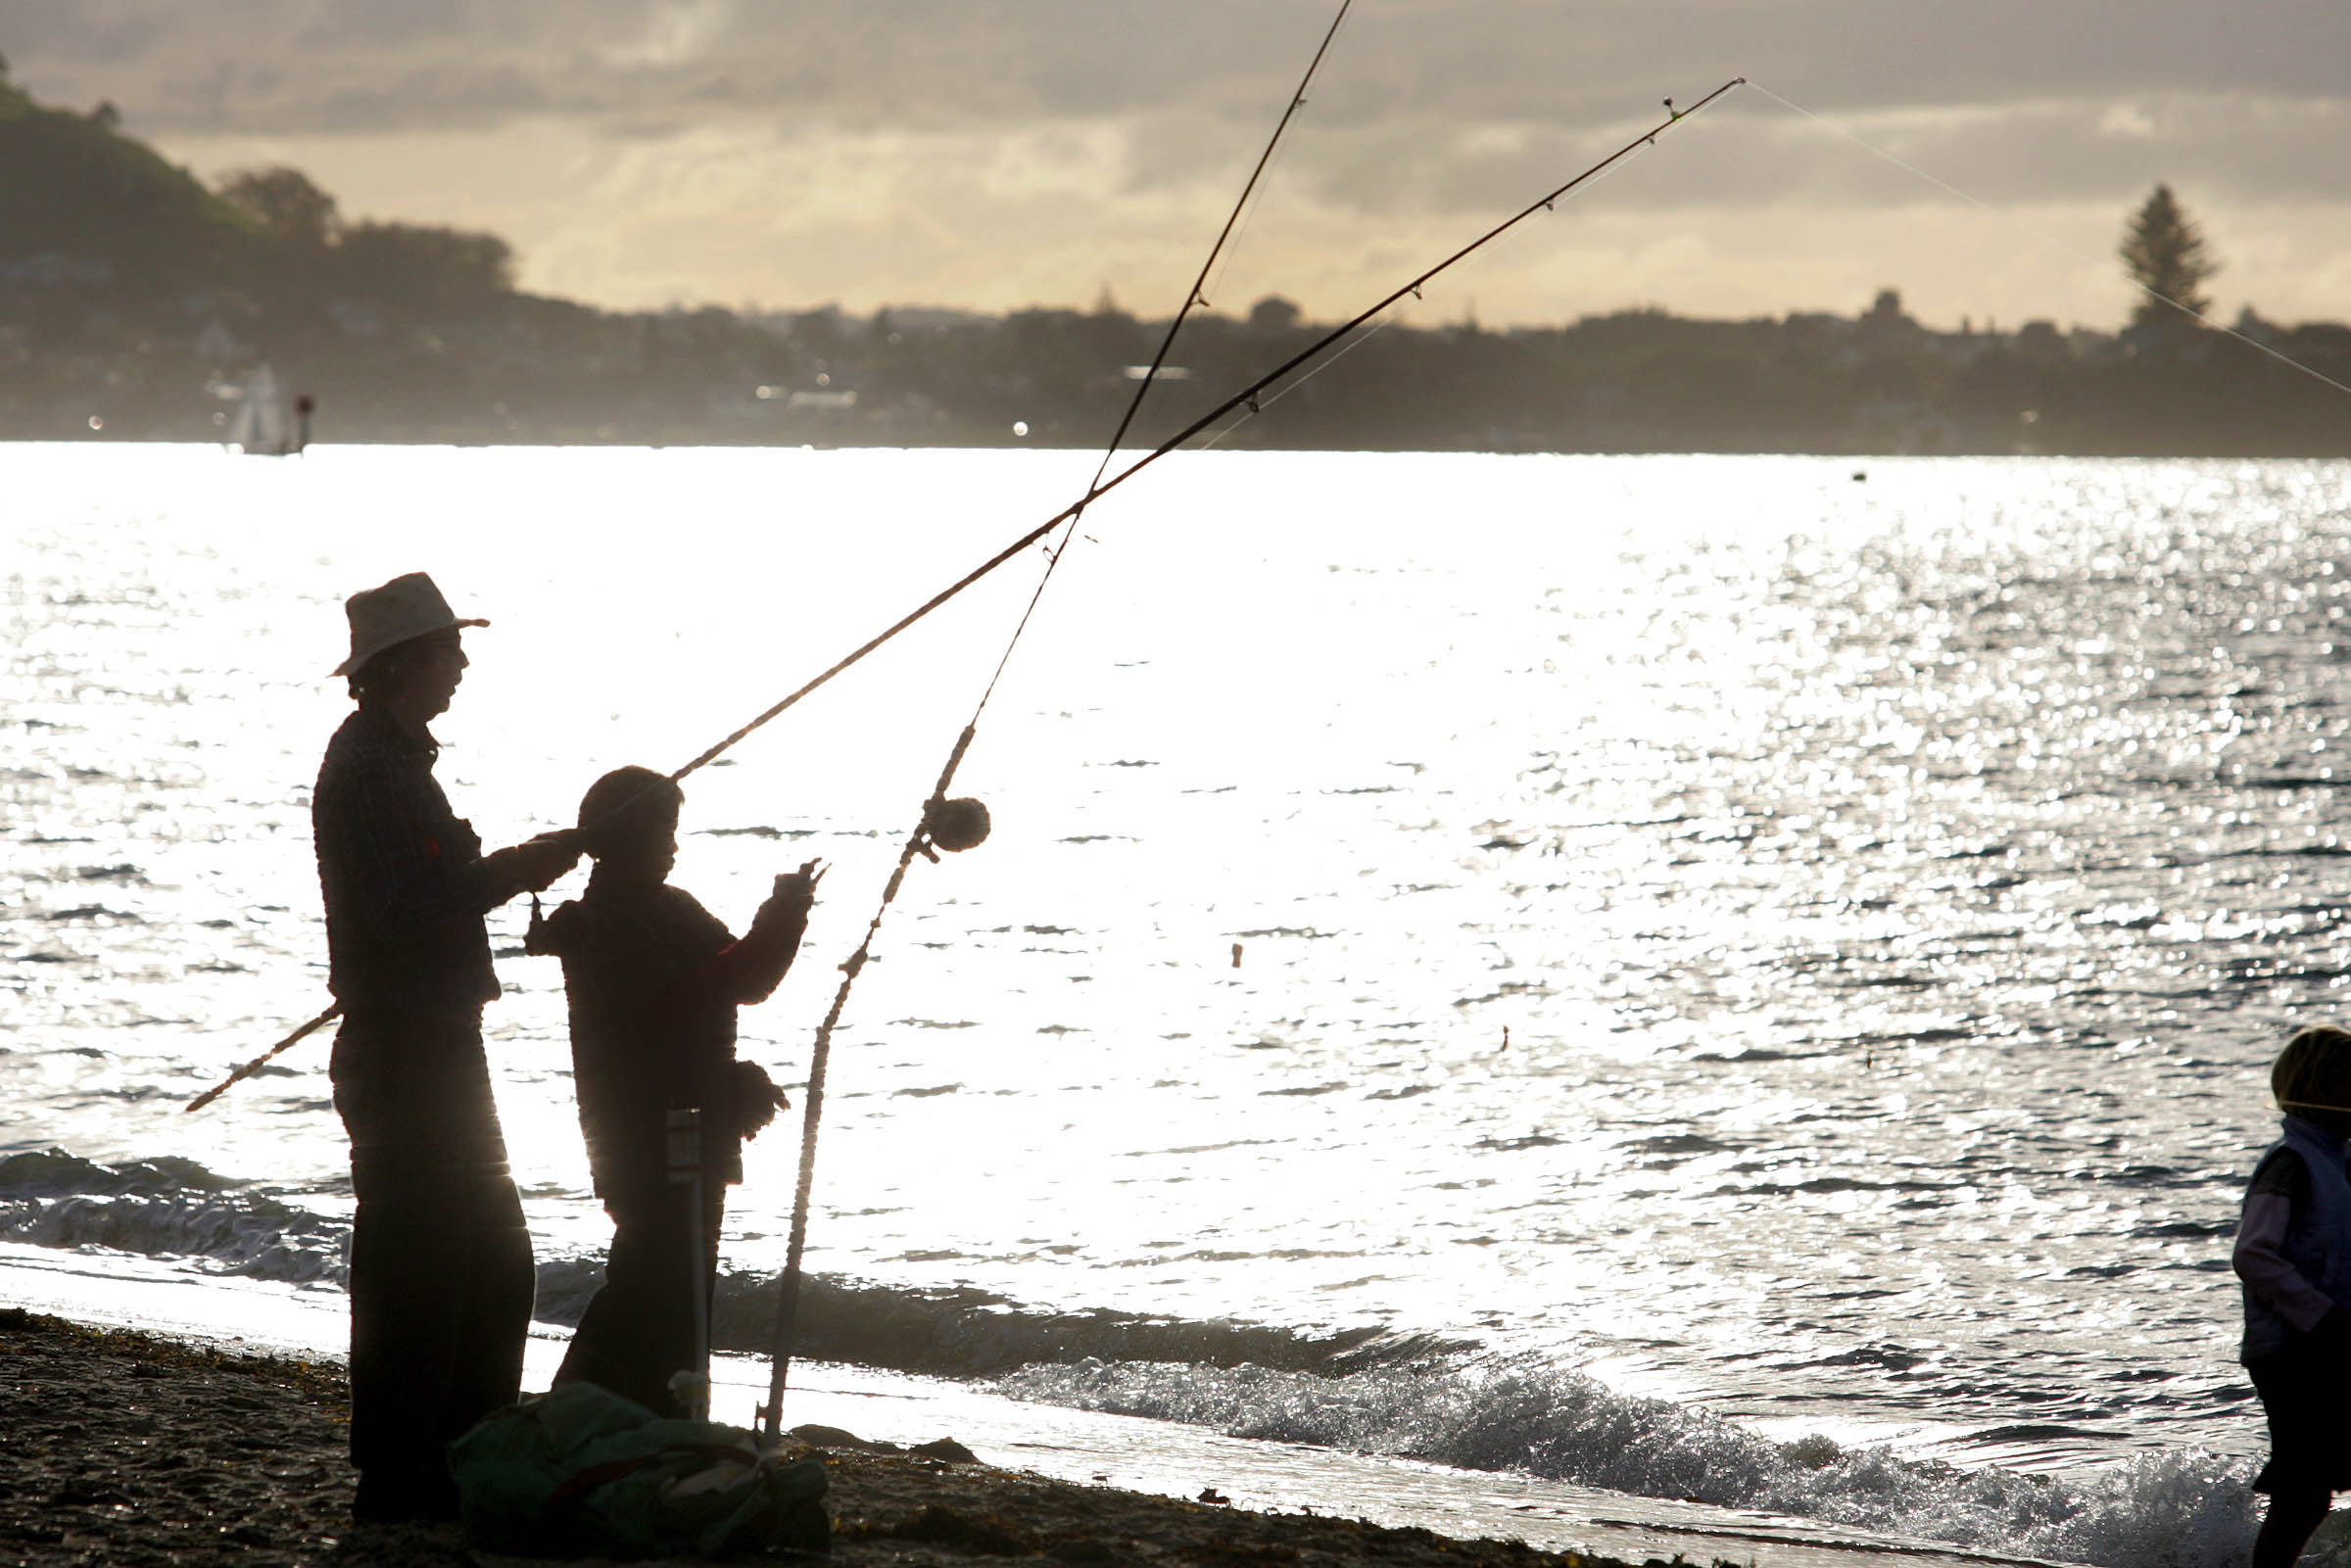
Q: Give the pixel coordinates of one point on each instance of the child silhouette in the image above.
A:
(2293, 1253)
(654, 981)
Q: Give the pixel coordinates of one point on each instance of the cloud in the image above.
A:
(737, 213)
(994, 151)
(1755, 150)
(1424, 105)
(330, 65)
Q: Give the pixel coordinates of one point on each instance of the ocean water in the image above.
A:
(1740, 978)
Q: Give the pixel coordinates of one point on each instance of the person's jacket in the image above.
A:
(402, 874)
(653, 980)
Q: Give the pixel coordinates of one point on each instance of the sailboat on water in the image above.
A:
(266, 424)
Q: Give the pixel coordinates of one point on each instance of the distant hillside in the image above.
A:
(137, 305)
(74, 190)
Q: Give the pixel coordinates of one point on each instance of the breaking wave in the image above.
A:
(2177, 1509)
(53, 1172)
(166, 1207)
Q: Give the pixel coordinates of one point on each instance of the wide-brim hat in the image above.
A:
(401, 611)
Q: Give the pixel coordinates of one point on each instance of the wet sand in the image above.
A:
(123, 1450)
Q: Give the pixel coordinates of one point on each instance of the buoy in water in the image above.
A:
(956, 825)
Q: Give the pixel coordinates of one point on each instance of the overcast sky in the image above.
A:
(994, 153)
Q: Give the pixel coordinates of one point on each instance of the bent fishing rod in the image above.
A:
(1249, 396)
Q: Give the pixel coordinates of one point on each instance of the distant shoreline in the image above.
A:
(137, 300)
(704, 439)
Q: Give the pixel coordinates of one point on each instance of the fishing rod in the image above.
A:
(771, 1414)
(1249, 396)
(974, 828)
(254, 1066)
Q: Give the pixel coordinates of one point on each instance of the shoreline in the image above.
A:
(135, 1450)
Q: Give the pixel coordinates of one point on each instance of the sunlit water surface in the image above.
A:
(1802, 945)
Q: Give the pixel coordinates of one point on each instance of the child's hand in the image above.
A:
(798, 888)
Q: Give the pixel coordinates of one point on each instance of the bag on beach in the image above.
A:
(580, 1471)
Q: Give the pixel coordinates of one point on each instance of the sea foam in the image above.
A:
(2177, 1509)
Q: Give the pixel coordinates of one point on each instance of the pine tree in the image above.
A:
(2164, 252)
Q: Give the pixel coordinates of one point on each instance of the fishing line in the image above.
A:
(1215, 284)
(1251, 410)
(1174, 443)
(771, 1414)
(2046, 238)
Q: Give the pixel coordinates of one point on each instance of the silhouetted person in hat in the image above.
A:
(441, 1271)
(654, 980)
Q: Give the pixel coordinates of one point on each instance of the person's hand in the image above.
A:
(534, 866)
(797, 889)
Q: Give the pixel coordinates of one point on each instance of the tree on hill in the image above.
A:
(2165, 255)
(422, 265)
(284, 204)
(1273, 314)
(70, 183)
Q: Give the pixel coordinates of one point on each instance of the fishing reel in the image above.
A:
(954, 826)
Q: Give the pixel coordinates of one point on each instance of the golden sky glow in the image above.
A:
(640, 153)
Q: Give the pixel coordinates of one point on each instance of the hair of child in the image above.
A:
(625, 802)
(2314, 1070)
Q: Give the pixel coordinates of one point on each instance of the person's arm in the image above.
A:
(532, 866)
(749, 970)
(2280, 1188)
(409, 865)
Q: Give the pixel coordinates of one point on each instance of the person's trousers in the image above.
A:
(441, 1272)
(639, 1330)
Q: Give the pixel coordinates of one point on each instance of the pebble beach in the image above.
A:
(133, 1451)
(129, 1451)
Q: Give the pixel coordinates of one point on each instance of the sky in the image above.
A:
(994, 154)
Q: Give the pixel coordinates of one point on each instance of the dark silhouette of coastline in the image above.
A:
(134, 303)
